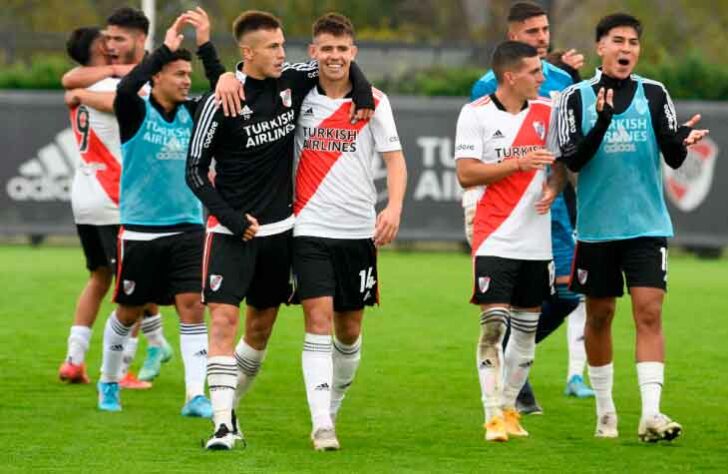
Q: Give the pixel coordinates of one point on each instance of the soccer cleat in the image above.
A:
(607, 426)
(495, 430)
(658, 428)
(73, 373)
(198, 407)
(109, 399)
(156, 356)
(222, 440)
(324, 439)
(526, 403)
(130, 382)
(576, 387)
(512, 420)
(237, 432)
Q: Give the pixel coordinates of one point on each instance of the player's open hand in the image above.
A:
(535, 160)
(173, 38)
(573, 58)
(387, 226)
(229, 93)
(605, 98)
(71, 98)
(252, 228)
(547, 199)
(695, 135)
(199, 20)
(359, 114)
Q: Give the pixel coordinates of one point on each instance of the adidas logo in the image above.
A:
(323, 386)
(498, 134)
(308, 111)
(48, 176)
(246, 112)
(116, 347)
(201, 353)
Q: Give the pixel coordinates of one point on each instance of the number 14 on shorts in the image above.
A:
(366, 279)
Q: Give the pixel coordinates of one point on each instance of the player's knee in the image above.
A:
(648, 316)
(100, 280)
(190, 308)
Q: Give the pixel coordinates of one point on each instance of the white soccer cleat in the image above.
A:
(658, 428)
(324, 439)
(237, 432)
(607, 426)
(222, 440)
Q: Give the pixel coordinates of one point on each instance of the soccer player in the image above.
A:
(528, 23)
(249, 232)
(127, 30)
(337, 230)
(500, 145)
(612, 129)
(160, 244)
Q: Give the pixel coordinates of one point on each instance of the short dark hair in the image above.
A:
(180, 54)
(254, 20)
(609, 22)
(79, 43)
(508, 55)
(334, 24)
(522, 11)
(127, 17)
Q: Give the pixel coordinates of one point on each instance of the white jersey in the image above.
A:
(95, 188)
(334, 192)
(506, 223)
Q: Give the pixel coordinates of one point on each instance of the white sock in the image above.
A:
(519, 354)
(78, 342)
(345, 360)
(602, 380)
(221, 378)
(489, 357)
(575, 340)
(193, 346)
(127, 357)
(115, 337)
(651, 376)
(318, 372)
(249, 361)
(153, 330)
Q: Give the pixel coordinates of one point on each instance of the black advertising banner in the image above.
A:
(39, 158)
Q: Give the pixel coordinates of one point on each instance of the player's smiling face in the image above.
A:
(533, 31)
(528, 79)
(263, 53)
(173, 81)
(334, 55)
(123, 45)
(620, 51)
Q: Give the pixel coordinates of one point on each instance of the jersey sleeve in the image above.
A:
(205, 136)
(669, 135)
(105, 85)
(552, 137)
(469, 135)
(383, 127)
(301, 76)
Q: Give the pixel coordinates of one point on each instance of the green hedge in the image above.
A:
(690, 77)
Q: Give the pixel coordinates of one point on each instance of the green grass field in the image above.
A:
(414, 406)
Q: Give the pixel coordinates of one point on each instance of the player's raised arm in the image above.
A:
(206, 51)
(102, 101)
(576, 148)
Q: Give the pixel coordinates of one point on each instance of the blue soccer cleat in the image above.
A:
(576, 387)
(156, 356)
(109, 399)
(198, 407)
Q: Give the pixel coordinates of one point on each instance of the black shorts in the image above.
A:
(154, 271)
(99, 245)
(345, 269)
(520, 283)
(598, 266)
(257, 271)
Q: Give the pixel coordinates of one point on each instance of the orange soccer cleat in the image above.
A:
(130, 382)
(73, 373)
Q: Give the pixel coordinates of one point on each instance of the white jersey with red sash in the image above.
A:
(335, 193)
(506, 222)
(95, 189)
